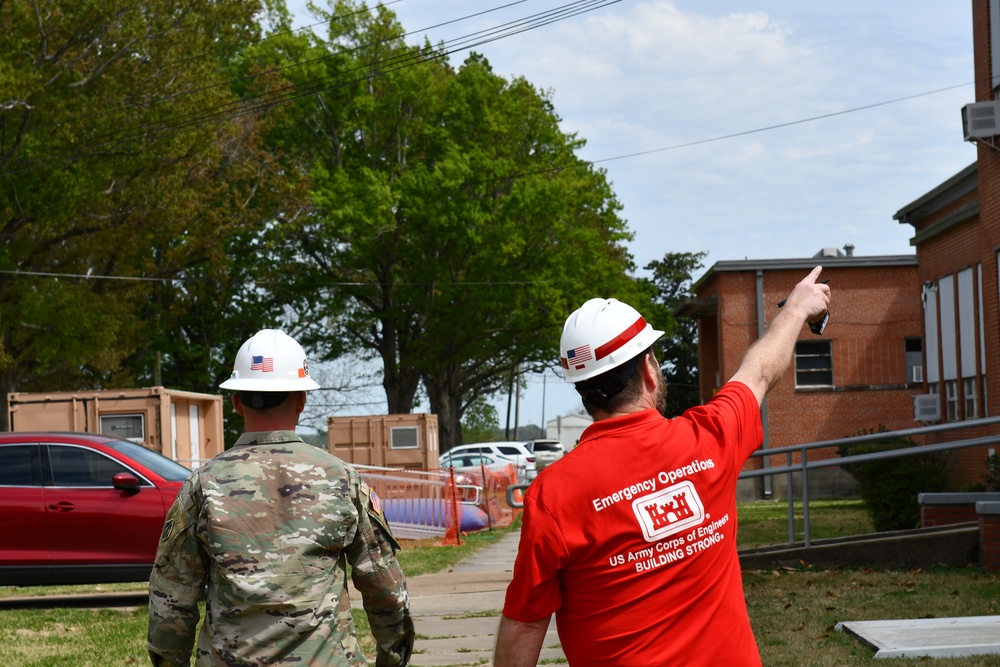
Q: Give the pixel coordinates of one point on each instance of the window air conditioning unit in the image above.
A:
(926, 408)
(981, 120)
(917, 374)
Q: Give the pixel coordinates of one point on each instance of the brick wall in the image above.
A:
(971, 243)
(946, 515)
(989, 535)
(873, 310)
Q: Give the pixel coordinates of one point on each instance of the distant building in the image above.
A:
(861, 374)
(567, 429)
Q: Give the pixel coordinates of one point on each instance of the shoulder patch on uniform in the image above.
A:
(168, 527)
(376, 504)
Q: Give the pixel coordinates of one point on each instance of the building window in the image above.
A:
(813, 363)
(951, 400)
(404, 437)
(914, 358)
(995, 42)
(971, 402)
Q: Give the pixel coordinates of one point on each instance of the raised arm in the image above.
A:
(768, 358)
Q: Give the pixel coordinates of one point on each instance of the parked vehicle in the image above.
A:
(546, 452)
(81, 508)
(517, 452)
(474, 461)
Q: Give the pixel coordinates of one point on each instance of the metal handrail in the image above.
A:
(510, 495)
(804, 466)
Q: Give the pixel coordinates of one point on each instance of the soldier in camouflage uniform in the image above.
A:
(263, 533)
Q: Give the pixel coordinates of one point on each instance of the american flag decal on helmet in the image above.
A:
(578, 357)
(262, 363)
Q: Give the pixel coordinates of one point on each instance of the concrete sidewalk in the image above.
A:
(456, 613)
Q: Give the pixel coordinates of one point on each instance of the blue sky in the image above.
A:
(674, 100)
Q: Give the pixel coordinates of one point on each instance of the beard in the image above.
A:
(661, 395)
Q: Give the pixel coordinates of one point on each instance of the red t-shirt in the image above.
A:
(631, 540)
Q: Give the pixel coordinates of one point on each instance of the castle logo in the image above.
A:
(668, 511)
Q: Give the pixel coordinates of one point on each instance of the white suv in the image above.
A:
(515, 452)
(546, 452)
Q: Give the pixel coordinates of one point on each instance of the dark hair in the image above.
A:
(261, 400)
(619, 386)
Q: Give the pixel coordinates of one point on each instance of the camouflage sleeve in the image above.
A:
(176, 584)
(377, 575)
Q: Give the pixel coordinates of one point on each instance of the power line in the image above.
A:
(292, 92)
(412, 57)
(92, 276)
(84, 276)
(790, 123)
(265, 38)
(732, 135)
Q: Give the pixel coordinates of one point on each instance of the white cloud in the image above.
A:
(656, 75)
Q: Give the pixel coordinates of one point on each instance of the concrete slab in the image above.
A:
(928, 637)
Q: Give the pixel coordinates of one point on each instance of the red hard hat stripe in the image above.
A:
(615, 343)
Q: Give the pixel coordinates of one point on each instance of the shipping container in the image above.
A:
(407, 441)
(184, 426)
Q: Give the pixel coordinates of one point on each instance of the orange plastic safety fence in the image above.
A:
(442, 503)
(452, 503)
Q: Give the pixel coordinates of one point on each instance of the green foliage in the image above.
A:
(677, 350)
(434, 218)
(480, 422)
(454, 227)
(890, 487)
(991, 478)
(120, 156)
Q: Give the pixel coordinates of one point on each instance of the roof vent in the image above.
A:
(849, 249)
(828, 252)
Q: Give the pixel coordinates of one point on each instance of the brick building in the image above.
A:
(861, 374)
(906, 332)
(957, 269)
(957, 239)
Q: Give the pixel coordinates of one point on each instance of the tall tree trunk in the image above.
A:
(399, 379)
(4, 411)
(447, 408)
(400, 389)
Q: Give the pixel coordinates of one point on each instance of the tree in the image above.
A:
(129, 168)
(677, 350)
(890, 487)
(480, 422)
(454, 225)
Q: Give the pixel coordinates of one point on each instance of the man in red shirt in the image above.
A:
(630, 540)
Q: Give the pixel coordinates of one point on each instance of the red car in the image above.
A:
(80, 508)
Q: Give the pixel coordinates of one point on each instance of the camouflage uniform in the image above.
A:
(269, 527)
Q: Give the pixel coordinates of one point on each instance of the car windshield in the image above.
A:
(166, 468)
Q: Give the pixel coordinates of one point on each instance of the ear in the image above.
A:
(300, 402)
(650, 371)
(237, 404)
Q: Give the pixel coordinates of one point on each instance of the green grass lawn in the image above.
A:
(793, 611)
(765, 523)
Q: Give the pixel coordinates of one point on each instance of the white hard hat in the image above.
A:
(270, 361)
(602, 334)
